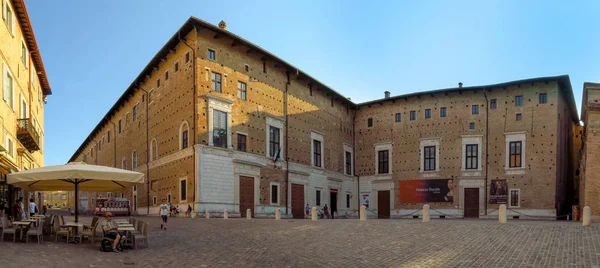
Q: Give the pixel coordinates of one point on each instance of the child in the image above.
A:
(307, 211)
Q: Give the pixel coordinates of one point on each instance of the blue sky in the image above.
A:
(93, 50)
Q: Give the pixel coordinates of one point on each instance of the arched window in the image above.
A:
(134, 160)
(153, 150)
(124, 163)
(183, 135)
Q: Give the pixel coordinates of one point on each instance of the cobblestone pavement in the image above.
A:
(331, 243)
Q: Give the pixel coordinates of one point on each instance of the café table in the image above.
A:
(22, 226)
(125, 224)
(128, 235)
(34, 221)
(74, 231)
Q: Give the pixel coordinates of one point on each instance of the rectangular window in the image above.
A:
(241, 142)
(211, 55)
(398, 117)
(514, 198)
(370, 122)
(24, 55)
(108, 136)
(274, 141)
(10, 147)
(183, 190)
(242, 90)
(317, 153)
(543, 98)
(134, 113)
(475, 109)
(8, 18)
(274, 194)
(515, 154)
(427, 113)
(157, 83)
(119, 125)
(519, 117)
(413, 115)
(166, 75)
(383, 162)
(8, 87)
(246, 68)
(187, 57)
(493, 104)
(471, 126)
(318, 201)
(347, 200)
(184, 139)
(216, 82)
(220, 129)
(429, 158)
(348, 163)
(519, 100)
(264, 66)
(443, 112)
(472, 157)
(169, 198)
(177, 67)
(154, 200)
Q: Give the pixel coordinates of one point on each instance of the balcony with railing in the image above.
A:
(27, 135)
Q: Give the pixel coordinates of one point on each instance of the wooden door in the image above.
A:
(383, 204)
(471, 209)
(246, 195)
(298, 201)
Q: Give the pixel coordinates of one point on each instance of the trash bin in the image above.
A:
(575, 213)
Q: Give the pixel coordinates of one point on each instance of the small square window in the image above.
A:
(471, 125)
(443, 112)
(370, 122)
(413, 115)
(543, 98)
(242, 90)
(427, 113)
(211, 54)
(246, 68)
(475, 109)
(519, 100)
(518, 117)
(493, 104)
(398, 117)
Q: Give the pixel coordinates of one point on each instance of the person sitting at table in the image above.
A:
(111, 230)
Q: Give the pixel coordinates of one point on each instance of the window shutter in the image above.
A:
(6, 85)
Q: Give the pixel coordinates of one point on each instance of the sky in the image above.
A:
(92, 50)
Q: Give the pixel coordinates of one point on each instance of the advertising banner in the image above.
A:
(426, 191)
(499, 192)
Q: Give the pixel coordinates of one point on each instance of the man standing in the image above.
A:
(164, 211)
(32, 207)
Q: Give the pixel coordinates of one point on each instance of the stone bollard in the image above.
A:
(363, 213)
(206, 214)
(277, 214)
(587, 216)
(426, 213)
(225, 214)
(313, 213)
(248, 214)
(502, 214)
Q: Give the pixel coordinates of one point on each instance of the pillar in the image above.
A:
(426, 213)
(587, 216)
(277, 214)
(363, 213)
(248, 214)
(225, 214)
(313, 213)
(502, 214)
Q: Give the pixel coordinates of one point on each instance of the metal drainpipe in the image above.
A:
(194, 115)
(487, 138)
(287, 160)
(358, 197)
(147, 153)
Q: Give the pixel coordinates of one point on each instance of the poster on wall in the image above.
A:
(365, 200)
(426, 191)
(499, 192)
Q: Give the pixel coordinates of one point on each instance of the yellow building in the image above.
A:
(24, 89)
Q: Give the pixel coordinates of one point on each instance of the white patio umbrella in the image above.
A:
(78, 175)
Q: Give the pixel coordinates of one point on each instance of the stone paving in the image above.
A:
(331, 243)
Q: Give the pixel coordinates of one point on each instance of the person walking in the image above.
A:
(189, 211)
(307, 211)
(23, 213)
(32, 207)
(164, 212)
(326, 211)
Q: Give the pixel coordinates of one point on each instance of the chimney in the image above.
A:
(460, 84)
(222, 25)
(387, 94)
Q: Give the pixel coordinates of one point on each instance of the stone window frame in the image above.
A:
(543, 98)
(317, 136)
(214, 54)
(424, 142)
(510, 197)
(272, 121)
(220, 104)
(182, 200)
(181, 129)
(9, 100)
(512, 137)
(382, 147)
(467, 140)
(271, 193)
(427, 113)
(349, 149)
